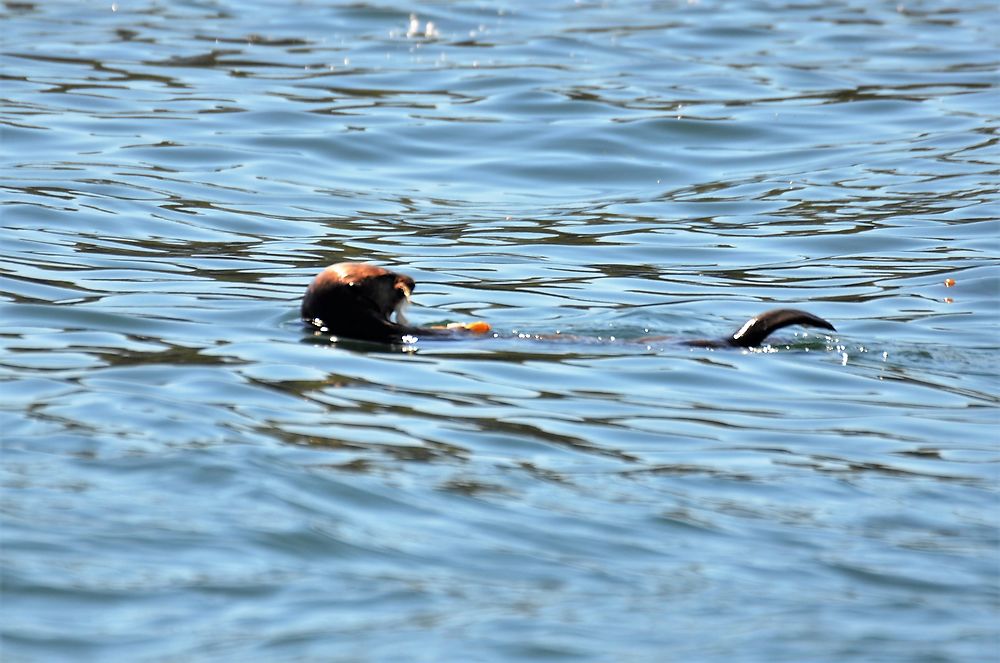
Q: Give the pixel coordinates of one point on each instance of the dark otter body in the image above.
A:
(357, 300)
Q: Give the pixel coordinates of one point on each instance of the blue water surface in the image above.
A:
(188, 475)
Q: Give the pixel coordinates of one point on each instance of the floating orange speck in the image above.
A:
(949, 282)
(949, 300)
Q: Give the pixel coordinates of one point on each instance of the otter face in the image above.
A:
(390, 292)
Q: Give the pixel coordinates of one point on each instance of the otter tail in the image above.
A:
(759, 327)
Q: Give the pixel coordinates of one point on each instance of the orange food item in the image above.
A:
(949, 282)
(479, 326)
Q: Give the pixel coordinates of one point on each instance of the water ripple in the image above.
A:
(186, 471)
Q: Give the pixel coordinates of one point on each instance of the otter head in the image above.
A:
(357, 300)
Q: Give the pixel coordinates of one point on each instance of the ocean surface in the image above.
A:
(188, 475)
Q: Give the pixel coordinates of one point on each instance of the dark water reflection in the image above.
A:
(187, 475)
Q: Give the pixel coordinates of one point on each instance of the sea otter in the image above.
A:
(357, 300)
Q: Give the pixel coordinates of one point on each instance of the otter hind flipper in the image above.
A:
(759, 327)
